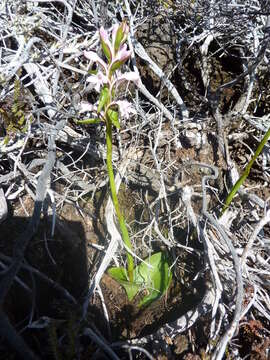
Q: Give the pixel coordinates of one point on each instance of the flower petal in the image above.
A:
(92, 56)
(129, 76)
(125, 108)
(104, 34)
(114, 32)
(84, 106)
(97, 80)
(121, 57)
(123, 54)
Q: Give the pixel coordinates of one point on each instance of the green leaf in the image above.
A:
(6, 140)
(106, 50)
(116, 65)
(103, 99)
(120, 275)
(92, 72)
(120, 35)
(156, 279)
(87, 121)
(246, 172)
(113, 115)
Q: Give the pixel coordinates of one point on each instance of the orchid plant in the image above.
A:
(154, 273)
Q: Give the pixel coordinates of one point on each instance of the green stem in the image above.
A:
(122, 224)
(245, 174)
(88, 121)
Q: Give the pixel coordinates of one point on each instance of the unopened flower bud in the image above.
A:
(120, 36)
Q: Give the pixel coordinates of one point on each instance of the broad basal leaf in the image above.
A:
(153, 275)
(156, 279)
(120, 275)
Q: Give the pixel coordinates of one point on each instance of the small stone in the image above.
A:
(181, 344)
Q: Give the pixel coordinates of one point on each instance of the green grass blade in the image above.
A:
(246, 172)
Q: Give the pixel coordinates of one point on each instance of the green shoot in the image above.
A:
(246, 172)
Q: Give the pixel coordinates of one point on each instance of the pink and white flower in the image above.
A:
(87, 107)
(97, 80)
(125, 108)
(92, 56)
(129, 76)
(116, 54)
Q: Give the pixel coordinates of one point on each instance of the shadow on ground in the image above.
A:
(61, 258)
(67, 259)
